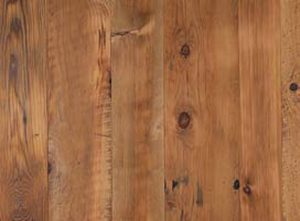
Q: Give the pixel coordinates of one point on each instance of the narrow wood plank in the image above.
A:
(79, 110)
(259, 42)
(202, 109)
(290, 78)
(23, 113)
(137, 92)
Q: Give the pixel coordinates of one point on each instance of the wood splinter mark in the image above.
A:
(178, 181)
(143, 30)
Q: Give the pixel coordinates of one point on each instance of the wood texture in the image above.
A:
(290, 73)
(23, 113)
(137, 99)
(79, 110)
(202, 110)
(259, 43)
(149, 110)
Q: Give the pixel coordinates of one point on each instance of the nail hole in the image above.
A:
(184, 120)
(236, 184)
(293, 86)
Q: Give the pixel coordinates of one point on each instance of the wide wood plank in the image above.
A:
(79, 110)
(290, 78)
(259, 43)
(202, 110)
(137, 92)
(23, 113)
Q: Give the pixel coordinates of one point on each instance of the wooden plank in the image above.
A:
(202, 110)
(23, 114)
(290, 78)
(259, 43)
(137, 92)
(79, 110)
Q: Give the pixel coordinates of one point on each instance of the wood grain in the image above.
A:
(259, 43)
(23, 113)
(79, 110)
(290, 73)
(202, 110)
(137, 103)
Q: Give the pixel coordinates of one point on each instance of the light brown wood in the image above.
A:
(290, 73)
(137, 102)
(79, 110)
(23, 114)
(202, 110)
(259, 43)
(149, 110)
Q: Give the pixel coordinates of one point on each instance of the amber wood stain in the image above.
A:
(149, 110)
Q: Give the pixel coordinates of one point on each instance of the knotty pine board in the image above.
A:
(202, 105)
(149, 110)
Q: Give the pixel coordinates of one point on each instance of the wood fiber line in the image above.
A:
(259, 42)
(79, 96)
(290, 78)
(137, 103)
(23, 113)
(202, 110)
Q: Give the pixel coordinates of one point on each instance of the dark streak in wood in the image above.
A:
(199, 196)
(24, 118)
(49, 167)
(13, 66)
(182, 215)
(109, 83)
(16, 25)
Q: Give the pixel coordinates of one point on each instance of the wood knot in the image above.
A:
(293, 86)
(184, 120)
(185, 51)
(247, 189)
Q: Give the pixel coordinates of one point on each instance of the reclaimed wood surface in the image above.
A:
(79, 110)
(202, 105)
(259, 45)
(137, 110)
(149, 110)
(290, 78)
(23, 111)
